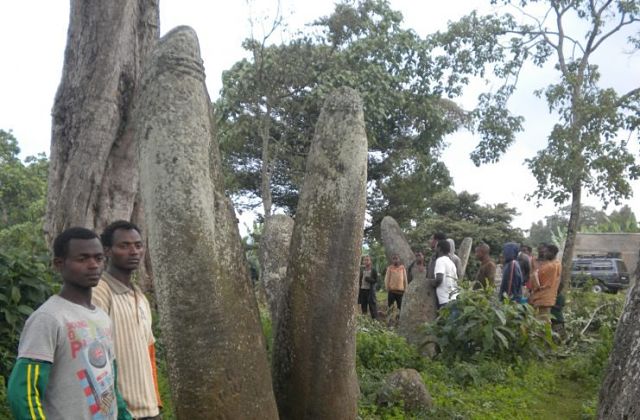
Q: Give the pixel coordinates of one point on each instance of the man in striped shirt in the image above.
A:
(130, 312)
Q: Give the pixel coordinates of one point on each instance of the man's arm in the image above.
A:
(438, 272)
(154, 369)
(26, 388)
(438, 281)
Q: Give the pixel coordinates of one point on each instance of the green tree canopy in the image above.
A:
(269, 105)
(23, 186)
(591, 220)
(585, 150)
(459, 215)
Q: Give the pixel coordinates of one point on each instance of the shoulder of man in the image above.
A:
(41, 331)
(101, 295)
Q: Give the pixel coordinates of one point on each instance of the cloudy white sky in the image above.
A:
(33, 35)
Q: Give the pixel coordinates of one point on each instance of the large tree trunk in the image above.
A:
(314, 351)
(572, 231)
(621, 385)
(211, 327)
(93, 175)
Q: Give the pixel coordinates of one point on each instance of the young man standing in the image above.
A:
(511, 285)
(367, 294)
(395, 281)
(130, 312)
(66, 363)
(417, 270)
(435, 238)
(546, 279)
(446, 275)
(487, 271)
(525, 263)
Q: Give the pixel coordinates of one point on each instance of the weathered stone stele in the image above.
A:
(419, 306)
(274, 255)
(216, 354)
(463, 252)
(395, 242)
(314, 347)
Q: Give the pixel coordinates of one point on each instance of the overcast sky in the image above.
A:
(34, 35)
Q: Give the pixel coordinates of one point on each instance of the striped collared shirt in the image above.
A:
(131, 315)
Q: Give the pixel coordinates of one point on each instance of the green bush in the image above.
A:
(478, 327)
(4, 404)
(267, 330)
(380, 349)
(25, 283)
(586, 313)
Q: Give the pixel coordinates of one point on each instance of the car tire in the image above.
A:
(597, 288)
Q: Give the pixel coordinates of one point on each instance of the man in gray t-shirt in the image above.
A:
(66, 364)
(77, 342)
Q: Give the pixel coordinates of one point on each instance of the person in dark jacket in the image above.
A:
(367, 295)
(511, 285)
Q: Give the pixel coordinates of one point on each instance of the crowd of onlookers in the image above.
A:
(524, 277)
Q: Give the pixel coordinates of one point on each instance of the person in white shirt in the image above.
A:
(446, 278)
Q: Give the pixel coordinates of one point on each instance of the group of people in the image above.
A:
(442, 272)
(524, 278)
(88, 352)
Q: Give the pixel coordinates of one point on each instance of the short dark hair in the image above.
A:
(439, 236)
(484, 246)
(444, 246)
(526, 247)
(107, 235)
(61, 242)
(553, 250)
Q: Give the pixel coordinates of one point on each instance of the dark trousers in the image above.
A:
(367, 299)
(394, 297)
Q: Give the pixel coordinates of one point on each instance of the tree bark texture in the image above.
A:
(216, 352)
(265, 171)
(572, 231)
(314, 349)
(621, 385)
(93, 174)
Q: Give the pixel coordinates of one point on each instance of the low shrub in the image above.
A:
(267, 330)
(4, 404)
(478, 327)
(25, 283)
(380, 349)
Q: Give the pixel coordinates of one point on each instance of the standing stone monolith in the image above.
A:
(274, 255)
(395, 241)
(314, 348)
(419, 306)
(216, 355)
(463, 253)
